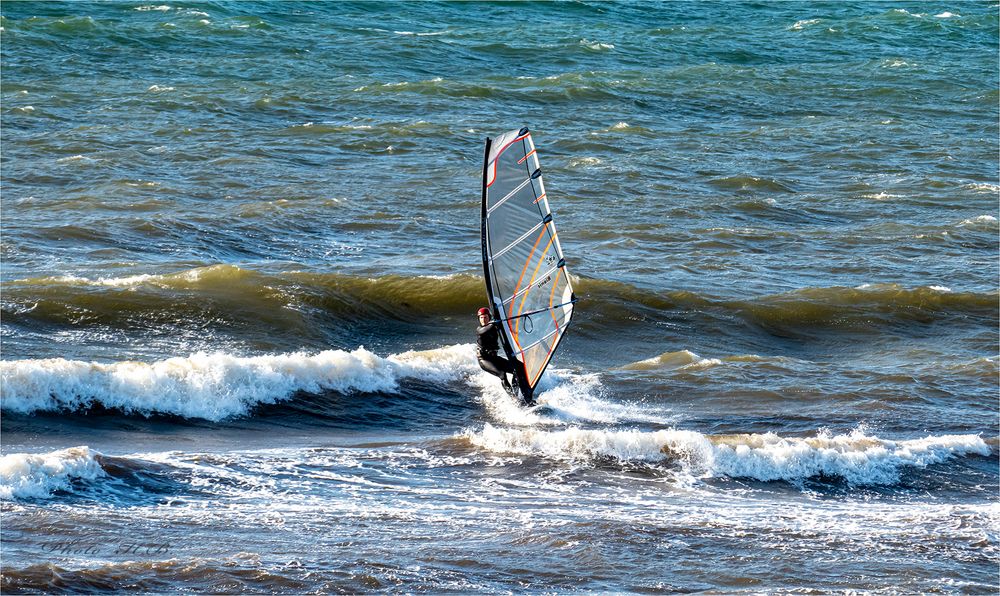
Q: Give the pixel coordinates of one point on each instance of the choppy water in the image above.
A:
(240, 264)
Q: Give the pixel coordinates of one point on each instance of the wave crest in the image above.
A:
(858, 458)
(31, 475)
(214, 386)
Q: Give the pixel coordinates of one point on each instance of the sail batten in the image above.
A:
(528, 286)
(522, 238)
(538, 341)
(509, 195)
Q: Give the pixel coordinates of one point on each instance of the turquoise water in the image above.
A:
(240, 265)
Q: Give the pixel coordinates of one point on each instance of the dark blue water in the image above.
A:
(240, 267)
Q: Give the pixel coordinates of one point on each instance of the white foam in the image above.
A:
(882, 196)
(103, 281)
(982, 219)
(583, 162)
(942, 289)
(984, 187)
(563, 397)
(159, 280)
(574, 397)
(159, 89)
(799, 25)
(78, 159)
(422, 34)
(161, 8)
(576, 443)
(215, 386)
(856, 457)
(946, 15)
(38, 475)
(130, 280)
(596, 45)
(501, 406)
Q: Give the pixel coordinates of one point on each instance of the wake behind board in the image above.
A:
(527, 282)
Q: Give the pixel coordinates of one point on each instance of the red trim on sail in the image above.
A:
(502, 149)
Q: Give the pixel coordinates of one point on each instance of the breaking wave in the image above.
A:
(219, 386)
(39, 475)
(856, 457)
(215, 386)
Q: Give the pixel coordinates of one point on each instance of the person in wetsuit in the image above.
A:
(487, 348)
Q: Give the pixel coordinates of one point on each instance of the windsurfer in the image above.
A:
(487, 348)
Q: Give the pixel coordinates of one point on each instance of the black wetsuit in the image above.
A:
(487, 346)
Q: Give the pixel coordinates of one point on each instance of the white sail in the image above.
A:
(526, 278)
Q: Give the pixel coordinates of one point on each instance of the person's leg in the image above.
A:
(507, 367)
(498, 366)
(489, 365)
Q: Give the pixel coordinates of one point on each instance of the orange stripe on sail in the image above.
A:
(533, 381)
(552, 296)
(539, 199)
(552, 311)
(520, 161)
(510, 311)
(534, 273)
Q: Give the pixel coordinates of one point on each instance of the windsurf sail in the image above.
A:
(527, 282)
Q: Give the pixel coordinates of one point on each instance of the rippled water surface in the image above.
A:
(241, 260)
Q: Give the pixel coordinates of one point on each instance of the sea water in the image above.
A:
(241, 265)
